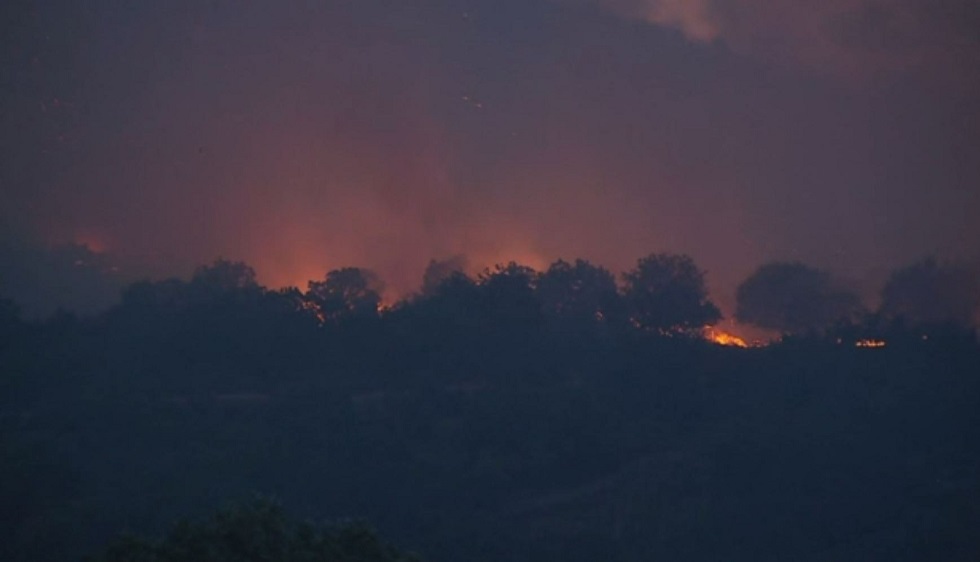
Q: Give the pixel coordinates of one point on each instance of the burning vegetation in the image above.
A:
(726, 339)
(870, 343)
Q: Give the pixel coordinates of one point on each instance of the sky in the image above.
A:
(302, 136)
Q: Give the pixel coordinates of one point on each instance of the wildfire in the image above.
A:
(870, 343)
(724, 338)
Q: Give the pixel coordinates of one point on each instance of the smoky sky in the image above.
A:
(301, 136)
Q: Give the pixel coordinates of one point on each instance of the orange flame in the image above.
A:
(870, 343)
(724, 338)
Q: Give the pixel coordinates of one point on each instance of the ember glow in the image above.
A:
(870, 343)
(724, 338)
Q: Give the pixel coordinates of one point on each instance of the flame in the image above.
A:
(724, 338)
(870, 343)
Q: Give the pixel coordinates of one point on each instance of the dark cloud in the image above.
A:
(856, 37)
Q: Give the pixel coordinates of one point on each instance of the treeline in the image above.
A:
(221, 329)
(664, 294)
(564, 414)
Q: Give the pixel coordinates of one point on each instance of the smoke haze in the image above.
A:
(307, 136)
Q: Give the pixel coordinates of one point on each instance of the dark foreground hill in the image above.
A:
(523, 446)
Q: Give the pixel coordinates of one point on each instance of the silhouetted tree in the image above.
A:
(929, 292)
(667, 293)
(454, 300)
(72, 276)
(168, 294)
(347, 293)
(439, 270)
(221, 314)
(226, 285)
(581, 293)
(291, 301)
(794, 298)
(224, 275)
(509, 293)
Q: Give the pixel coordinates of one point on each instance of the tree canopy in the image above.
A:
(579, 292)
(347, 293)
(931, 292)
(225, 275)
(793, 298)
(439, 271)
(667, 293)
(510, 293)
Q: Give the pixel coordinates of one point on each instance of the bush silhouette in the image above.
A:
(256, 532)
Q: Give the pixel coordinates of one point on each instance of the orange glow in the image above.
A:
(94, 241)
(724, 338)
(870, 343)
(314, 310)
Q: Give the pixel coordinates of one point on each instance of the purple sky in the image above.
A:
(301, 136)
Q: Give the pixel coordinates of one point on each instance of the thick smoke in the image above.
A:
(850, 36)
(306, 137)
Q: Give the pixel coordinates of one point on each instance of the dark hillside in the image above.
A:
(546, 446)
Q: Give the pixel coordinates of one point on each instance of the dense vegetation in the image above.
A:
(257, 531)
(516, 416)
